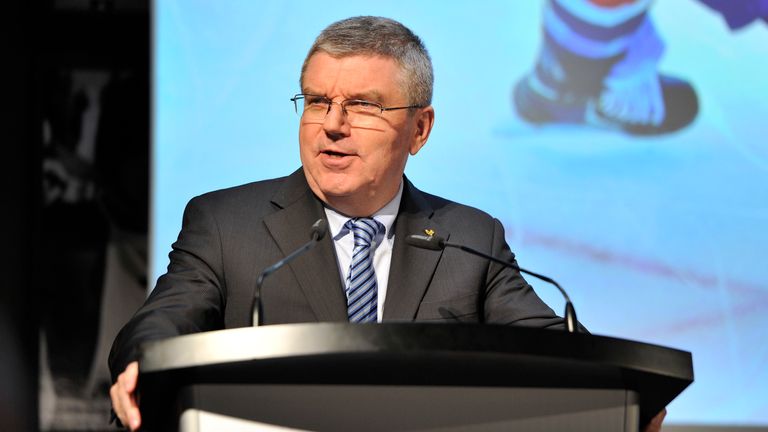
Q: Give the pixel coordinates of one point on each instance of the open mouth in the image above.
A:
(334, 154)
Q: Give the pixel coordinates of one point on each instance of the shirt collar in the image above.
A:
(385, 215)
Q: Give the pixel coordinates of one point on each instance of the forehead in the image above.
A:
(356, 75)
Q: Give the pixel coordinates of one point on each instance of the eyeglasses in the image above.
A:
(357, 112)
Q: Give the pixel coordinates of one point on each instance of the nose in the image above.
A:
(336, 125)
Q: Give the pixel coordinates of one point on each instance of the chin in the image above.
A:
(336, 184)
(337, 191)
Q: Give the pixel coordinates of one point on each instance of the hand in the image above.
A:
(124, 397)
(655, 424)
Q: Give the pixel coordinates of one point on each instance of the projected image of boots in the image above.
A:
(598, 65)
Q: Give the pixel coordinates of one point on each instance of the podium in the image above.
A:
(409, 376)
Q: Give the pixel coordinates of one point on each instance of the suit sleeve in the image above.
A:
(189, 298)
(509, 299)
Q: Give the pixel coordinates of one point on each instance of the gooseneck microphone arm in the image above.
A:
(319, 229)
(439, 243)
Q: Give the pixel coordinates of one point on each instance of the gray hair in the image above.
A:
(369, 35)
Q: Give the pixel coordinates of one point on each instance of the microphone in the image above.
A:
(317, 233)
(439, 243)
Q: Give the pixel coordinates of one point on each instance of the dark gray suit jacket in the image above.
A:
(229, 236)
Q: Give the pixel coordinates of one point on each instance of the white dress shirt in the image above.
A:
(344, 242)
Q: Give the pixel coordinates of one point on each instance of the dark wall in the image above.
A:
(20, 175)
(44, 41)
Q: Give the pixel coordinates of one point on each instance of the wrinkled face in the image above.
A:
(356, 168)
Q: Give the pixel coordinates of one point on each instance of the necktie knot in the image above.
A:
(364, 230)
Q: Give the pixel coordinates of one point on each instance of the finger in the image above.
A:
(133, 414)
(117, 404)
(120, 404)
(131, 376)
(126, 383)
(655, 424)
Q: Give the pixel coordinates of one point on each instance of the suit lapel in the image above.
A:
(316, 271)
(411, 269)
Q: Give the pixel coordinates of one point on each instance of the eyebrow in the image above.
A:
(371, 95)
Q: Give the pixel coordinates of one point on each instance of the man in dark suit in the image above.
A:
(365, 107)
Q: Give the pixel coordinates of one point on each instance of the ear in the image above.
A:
(425, 119)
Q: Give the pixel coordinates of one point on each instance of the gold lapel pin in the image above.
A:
(429, 232)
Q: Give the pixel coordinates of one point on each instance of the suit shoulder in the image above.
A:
(467, 225)
(254, 194)
(445, 208)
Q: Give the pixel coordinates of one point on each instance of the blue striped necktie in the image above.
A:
(361, 281)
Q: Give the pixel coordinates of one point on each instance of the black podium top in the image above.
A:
(414, 354)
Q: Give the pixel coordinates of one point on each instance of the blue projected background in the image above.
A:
(660, 238)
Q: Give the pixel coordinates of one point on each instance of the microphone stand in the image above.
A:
(438, 243)
(319, 229)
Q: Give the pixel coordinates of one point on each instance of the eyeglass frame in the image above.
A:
(295, 99)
